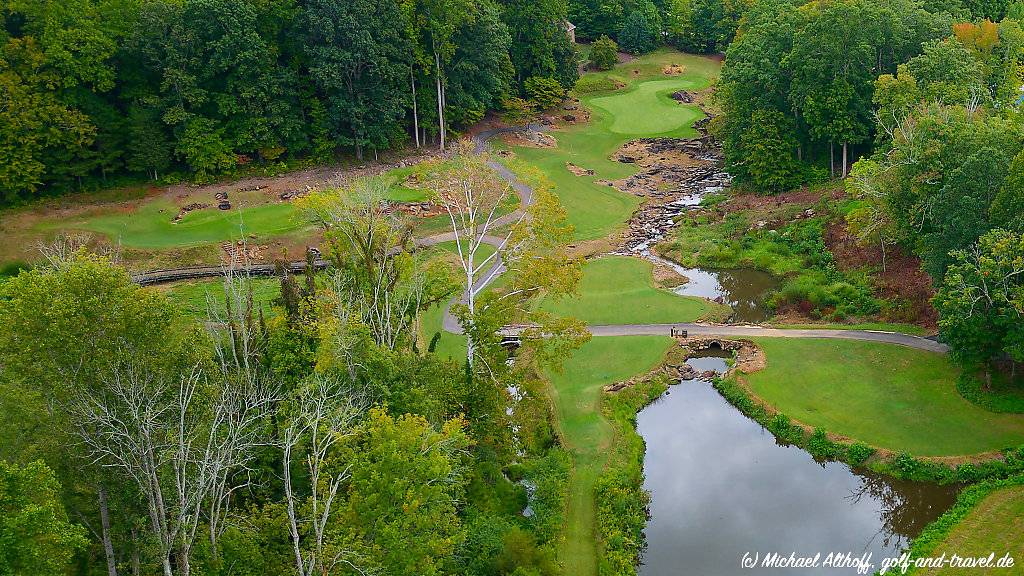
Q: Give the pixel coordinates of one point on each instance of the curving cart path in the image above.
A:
(450, 324)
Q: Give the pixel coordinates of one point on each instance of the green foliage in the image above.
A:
(604, 53)
(406, 479)
(622, 502)
(540, 45)
(816, 95)
(981, 299)
(640, 30)
(91, 89)
(544, 93)
(36, 537)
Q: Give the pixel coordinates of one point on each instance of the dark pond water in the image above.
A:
(744, 289)
(721, 487)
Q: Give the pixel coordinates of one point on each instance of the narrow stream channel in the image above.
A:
(722, 486)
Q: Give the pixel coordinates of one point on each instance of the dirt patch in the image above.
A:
(673, 69)
(667, 277)
(530, 139)
(577, 170)
(901, 281)
(803, 196)
(750, 358)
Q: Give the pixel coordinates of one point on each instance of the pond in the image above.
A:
(721, 486)
(745, 290)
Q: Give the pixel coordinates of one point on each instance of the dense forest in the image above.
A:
(95, 89)
(321, 435)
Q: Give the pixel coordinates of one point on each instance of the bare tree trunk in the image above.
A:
(136, 561)
(846, 145)
(440, 99)
(881, 240)
(108, 545)
(832, 159)
(415, 111)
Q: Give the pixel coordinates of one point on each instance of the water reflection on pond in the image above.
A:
(744, 289)
(721, 486)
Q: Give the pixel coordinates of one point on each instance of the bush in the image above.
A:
(544, 92)
(1004, 396)
(604, 53)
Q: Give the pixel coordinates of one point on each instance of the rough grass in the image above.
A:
(912, 329)
(643, 108)
(885, 395)
(621, 290)
(995, 525)
(587, 435)
(193, 297)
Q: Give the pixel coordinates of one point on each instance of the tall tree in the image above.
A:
(359, 60)
(540, 41)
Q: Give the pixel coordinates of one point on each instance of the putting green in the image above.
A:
(648, 109)
(642, 109)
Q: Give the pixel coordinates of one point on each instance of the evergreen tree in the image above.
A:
(639, 34)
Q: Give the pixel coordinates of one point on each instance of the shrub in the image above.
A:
(858, 453)
(11, 269)
(604, 53)
(544, 92)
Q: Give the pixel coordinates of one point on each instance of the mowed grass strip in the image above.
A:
(995, 525)
(587, 435)
(621, 290)
(885, 395)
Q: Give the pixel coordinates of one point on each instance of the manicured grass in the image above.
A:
(661, 114)
(994, 525)
(885, 395)
(641, 109)
(621, 290)
(194, 296)
(152, 225)
(449, 345)
(587, 435)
